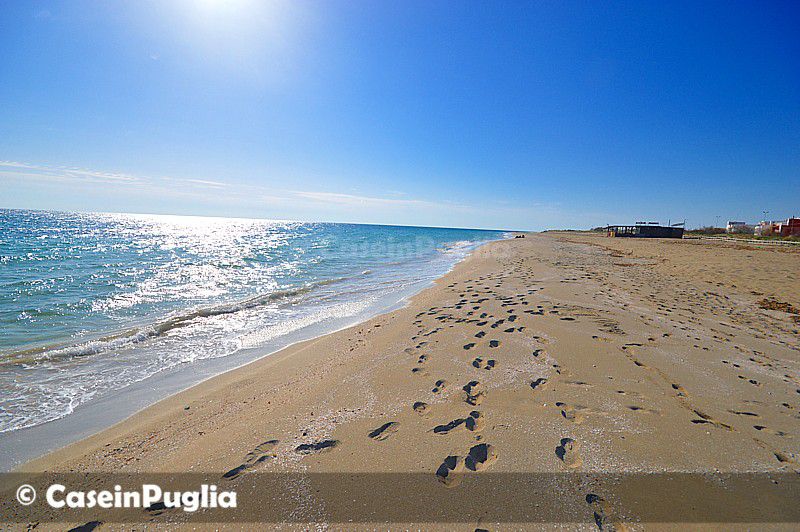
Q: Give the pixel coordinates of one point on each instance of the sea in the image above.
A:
(93, 304)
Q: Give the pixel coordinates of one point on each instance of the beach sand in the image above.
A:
(553, 355)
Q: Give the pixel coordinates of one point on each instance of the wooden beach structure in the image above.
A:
(644, 230)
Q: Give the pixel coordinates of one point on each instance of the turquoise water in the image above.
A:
(95, 302)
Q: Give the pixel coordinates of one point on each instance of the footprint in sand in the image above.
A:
(480, 334)
(447, 428)
(578, 383)
(706, 419)
(603, 514)
(439, 386)
(630, 345)
(87, 527)
(743, 413)
(494, 343)
(157, 508)
(475, 392)
(574, 413)
(260, 454)
(567, 452)
(449, 472)
(642, 409)
(482, 363)
(469, 346)
(680, 389)
(421, 408)
(316, 447)
(480, 457)
(751, 381)
(538, 383)
(767, 430)
(786, 457)
(384, 431)
(475, 421)
(421, 361)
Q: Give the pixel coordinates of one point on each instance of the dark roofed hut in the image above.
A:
(644, 231)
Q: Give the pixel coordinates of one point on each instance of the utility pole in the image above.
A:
(765, 215)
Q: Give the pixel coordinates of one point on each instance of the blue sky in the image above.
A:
(519, 115)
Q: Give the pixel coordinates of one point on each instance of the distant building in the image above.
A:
(765, 228)
(644, 230)
(738, 227)
(791, 227)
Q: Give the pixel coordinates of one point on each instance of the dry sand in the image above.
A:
(561, 353)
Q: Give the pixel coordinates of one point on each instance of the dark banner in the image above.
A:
(401, 498)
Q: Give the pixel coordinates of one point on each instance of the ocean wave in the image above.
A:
(61, 352)
(459, 247)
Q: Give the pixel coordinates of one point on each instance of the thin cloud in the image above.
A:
(14, 164)
(104, 176)
(204, 182)
(60, 173)
(371, 201)
(177, 186)
(308, 203)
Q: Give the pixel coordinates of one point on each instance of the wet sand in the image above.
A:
(557, 353)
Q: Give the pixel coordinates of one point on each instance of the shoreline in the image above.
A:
(198, 388)
(643, 356)
(104, 412)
